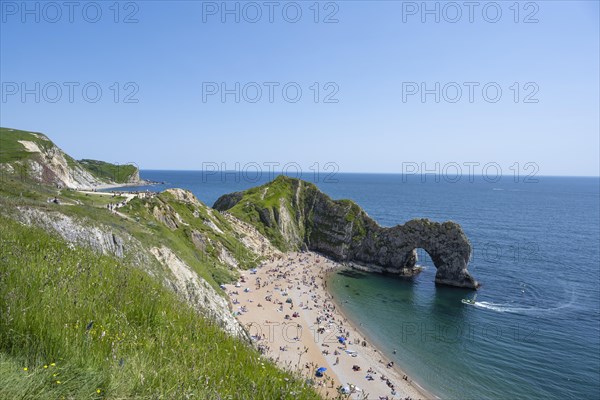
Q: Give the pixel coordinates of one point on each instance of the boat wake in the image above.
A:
(535, 297)
(500, 307)
(517, 310)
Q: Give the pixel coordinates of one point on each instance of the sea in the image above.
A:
(534, 329)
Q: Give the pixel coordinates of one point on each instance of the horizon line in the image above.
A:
(351, 172)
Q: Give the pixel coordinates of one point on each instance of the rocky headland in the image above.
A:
(296, 215)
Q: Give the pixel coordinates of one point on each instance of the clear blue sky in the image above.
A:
(369, 53)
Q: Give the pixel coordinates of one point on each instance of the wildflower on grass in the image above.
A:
(45, 366)
(25, 369)
(52, 364)
(98, 391)
(58, 382)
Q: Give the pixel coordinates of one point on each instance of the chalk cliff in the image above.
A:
(31, 155)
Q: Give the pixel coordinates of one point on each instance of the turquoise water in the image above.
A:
(535, 329)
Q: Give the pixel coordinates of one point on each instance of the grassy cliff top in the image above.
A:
(114, 172)
(12, 150)
(285, 205)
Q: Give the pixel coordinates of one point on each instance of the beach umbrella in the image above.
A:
(322, 369)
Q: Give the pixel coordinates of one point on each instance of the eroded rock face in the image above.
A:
(83, 232)
(51, 166)
(103, 239)
(343, 231)
(197, 291)
(393, 250)
(42, 161)
(184, 196)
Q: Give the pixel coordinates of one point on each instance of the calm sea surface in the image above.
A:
(534, 331)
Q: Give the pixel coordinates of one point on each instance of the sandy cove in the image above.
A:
(284, 305)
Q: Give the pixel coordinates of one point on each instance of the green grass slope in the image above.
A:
(204, 260)
(261, 207)
(137, 219)
(78, 325)
(10, 148)
(14, 153)
(107, 171)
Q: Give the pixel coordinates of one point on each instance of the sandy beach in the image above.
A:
(109, 186)
(285, 306)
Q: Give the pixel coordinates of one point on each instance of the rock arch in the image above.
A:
(446, 244)
(393, 250)
(297, 215)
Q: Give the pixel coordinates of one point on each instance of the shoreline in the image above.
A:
(110, 186)
(428, 395)
(287, 309)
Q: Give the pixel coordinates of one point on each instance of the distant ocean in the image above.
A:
(534, 331)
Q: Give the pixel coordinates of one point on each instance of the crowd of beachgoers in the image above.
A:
(285, 306)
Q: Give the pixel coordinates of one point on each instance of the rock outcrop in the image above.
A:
(197, 291)
(295, 214)
(80, 232)
(104, 239)
(32, 155)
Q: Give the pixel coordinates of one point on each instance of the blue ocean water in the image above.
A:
(534, 331)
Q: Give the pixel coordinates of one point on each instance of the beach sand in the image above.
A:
(309, 339)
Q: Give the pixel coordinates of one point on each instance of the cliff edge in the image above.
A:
(33, 156)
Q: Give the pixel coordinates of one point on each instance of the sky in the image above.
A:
(356, 86)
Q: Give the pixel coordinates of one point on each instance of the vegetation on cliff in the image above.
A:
(270, 208)
(296, 214)
(104, 302)
(12, 150)
(113, 172)
(33, 155)
(285, 210)
(118, 296)
(76, 324)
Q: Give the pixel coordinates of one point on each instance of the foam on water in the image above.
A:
(519, 310)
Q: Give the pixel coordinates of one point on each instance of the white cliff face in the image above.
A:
(78, 232)
(184, 196)
(51, 166)
(181, 278)
(252, 239)
(38, 158)
(196, 291)
(288, 226)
